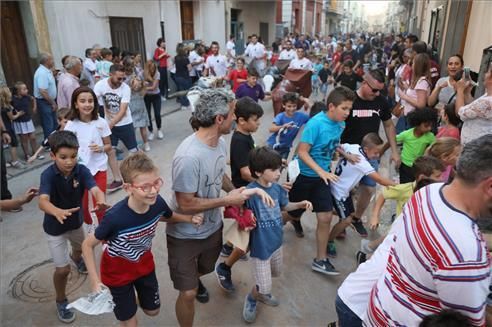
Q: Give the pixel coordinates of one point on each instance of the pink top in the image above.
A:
(449, 131)
(422, 84)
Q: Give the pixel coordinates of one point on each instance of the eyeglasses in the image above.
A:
(147, 188)
(374, 90)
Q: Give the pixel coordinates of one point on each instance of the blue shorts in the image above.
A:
(343, 208)
(312, 189)
(126, 134)
(368, 181)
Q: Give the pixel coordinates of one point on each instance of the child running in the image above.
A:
(60, 195)
(447, 150)
(427, 170)
(319, 140)
(127, 263)
(266, 238)
(350, 171)
(23, 126)
(415, 140)
(92, 134)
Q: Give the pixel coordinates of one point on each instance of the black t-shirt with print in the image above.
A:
(365, 117)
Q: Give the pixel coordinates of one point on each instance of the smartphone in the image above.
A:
(466, 73)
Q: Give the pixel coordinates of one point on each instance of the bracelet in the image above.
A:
(5, 132)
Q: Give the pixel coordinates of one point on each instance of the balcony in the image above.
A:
(333, 7)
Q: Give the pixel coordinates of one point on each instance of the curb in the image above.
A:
(45, 162)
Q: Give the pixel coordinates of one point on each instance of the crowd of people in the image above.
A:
(433, 257)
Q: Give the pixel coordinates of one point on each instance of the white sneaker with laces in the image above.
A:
(160, 136)
(146, 147)
(151, 136)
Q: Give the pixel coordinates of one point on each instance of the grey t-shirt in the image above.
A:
(446, 93)
(198, 168)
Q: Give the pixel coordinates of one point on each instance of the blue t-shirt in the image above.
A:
(266, 238)
(286, 138)
(44, 79)
(316, 70)
(323, 134)
(65, 193)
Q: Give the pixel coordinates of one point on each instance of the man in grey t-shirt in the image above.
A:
(198, 176)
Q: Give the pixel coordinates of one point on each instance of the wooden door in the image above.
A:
(127, 33)
(187, 27)
(15, 57)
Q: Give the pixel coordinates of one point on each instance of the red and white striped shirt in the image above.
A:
(439, 261)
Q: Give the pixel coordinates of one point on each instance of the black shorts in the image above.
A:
(312, 189)
(343, 208)
(124, 297)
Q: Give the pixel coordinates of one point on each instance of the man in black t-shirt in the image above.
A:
(368, 111)
(348, 77)
(248, 114)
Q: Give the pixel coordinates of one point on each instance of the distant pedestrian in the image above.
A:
(45, 93)
(68, 81)
(152, 98)
(161, 56)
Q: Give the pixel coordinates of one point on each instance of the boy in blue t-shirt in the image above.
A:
(319, 140)
(266, 238)
(286, 125)
(127, 263)
(61, 190)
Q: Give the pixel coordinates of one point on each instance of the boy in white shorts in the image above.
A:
(60, 196)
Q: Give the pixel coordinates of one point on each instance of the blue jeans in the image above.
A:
(346, 317)
(183, 84)
(47, 115)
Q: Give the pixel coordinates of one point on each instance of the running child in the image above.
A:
(60, 197)
(127, 264)
(348, 77)
(266, 238)
(350, 171)
(251, 88)
(23, 126)
(318, 143)
(92, 133)
(447, 150)
(287, 124)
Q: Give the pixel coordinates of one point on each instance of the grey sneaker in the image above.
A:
(268, 299)
(81, 268)
(64, 315)
(249, 309)
(324, 266)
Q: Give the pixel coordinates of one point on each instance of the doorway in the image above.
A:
(15, 56)
(237, 29)
(128, 34)
(187, 26)
(264, 33)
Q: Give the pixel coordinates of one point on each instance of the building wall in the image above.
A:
(210, 21)
(252, 14)
(479, 34)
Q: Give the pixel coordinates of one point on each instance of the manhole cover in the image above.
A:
(35, 284)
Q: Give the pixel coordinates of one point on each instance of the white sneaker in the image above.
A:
(160, 136)
(151, 136)
(163, 99)
(146, 147)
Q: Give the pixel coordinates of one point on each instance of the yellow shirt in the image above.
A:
(400, 193)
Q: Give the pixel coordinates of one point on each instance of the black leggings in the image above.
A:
(163, 84)
(406, 174)
(155, 101)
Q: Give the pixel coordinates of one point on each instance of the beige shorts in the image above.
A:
(58, 246)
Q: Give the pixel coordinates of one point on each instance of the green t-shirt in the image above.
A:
(413, 147)
(400, 193)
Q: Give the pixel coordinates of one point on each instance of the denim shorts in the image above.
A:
(368, 181)
(126, 134)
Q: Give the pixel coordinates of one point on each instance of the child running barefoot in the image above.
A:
(266, 238)
(92, 134)
(60, 196)
(23, 126)
(127, 264)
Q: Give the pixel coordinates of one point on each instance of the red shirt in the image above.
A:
(449, 131)
(234, 75)
(163, 61)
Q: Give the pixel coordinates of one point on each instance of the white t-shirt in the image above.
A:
(218, 64)
(231, 47)
(439, 260)
(112, 98)
(349, 175)
(287, 54)
(303, 63)
(195, 57)
(256, 51)
(356, 288)
(87, 134)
